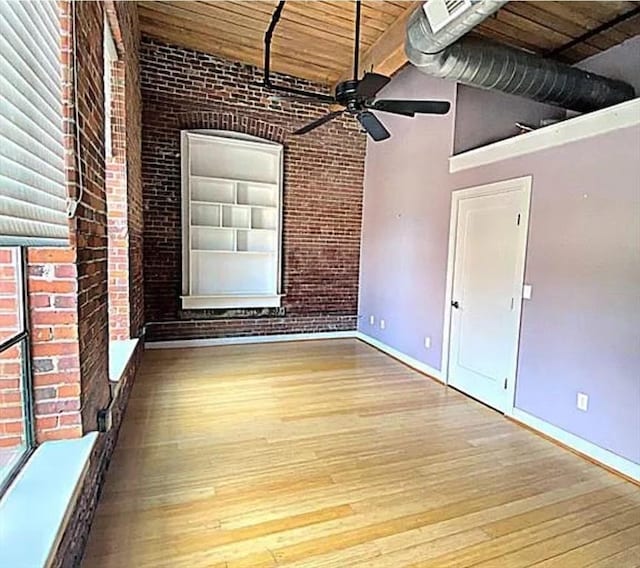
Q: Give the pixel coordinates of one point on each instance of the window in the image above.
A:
(16, 431)
(231, 206)
(120, 345)
(33, 194)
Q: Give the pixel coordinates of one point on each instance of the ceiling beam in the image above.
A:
(387, 54)
(595, 31)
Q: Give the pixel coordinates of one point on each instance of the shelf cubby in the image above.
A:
(235, 217)
(212, 190)
(263, 218)
(257, 194)
(212, 238)
(256, 241)
(206, 214)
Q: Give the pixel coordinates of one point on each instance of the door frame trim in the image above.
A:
(523, 184)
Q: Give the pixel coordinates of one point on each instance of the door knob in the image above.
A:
(455, 304)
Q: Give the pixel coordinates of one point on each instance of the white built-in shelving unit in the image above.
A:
(231, 220)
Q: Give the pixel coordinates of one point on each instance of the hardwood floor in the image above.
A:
(331, 454)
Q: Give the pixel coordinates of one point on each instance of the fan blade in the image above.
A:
(411, 108)
(373, 126)
(319, 122)
(370, 84)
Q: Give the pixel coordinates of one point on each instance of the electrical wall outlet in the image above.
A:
(583, 401)
(427, 342)
(381, 324)
(372, 320)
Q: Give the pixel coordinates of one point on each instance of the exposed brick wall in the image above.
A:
(323, 179)
(52, 286)
(90, 221)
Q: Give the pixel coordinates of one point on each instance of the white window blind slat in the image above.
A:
(21, 17)
(13, 104)
(11, 119)
(12, 57)
(16, 72)
(26, 157)
(30, 233)
(45, 61)
(32, 169)
(27, 143)
(15, 189)
(34, 181)
(33, 212)
(48, 21)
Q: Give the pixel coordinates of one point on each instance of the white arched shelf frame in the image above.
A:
(231, 220)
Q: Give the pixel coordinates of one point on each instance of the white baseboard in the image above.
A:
(406, 359)
(605, 457)
(249, 339)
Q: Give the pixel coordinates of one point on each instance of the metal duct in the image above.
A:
(488, 65)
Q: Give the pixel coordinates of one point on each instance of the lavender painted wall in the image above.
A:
(581, 329)
(407, 191)
(484, 116)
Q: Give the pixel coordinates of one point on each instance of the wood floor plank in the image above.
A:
(329, 454)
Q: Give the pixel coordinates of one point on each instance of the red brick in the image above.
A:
(56, 406)
(53, 317)
(8, 412)
(52, 286)
(43, 379)
(69, 391)
(50, 255)
(47, 422)
(54, 349)
(60, 433)
(11, 441)
(69, 419)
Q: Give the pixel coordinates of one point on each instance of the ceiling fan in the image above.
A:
(356, 96)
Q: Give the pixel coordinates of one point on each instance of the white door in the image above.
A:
(488, 269)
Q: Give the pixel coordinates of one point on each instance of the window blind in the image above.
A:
(33, 195)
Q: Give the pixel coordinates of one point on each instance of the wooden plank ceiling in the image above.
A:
(314, 39)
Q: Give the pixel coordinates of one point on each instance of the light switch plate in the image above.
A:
(582, 401)
(381, 324)
(527, 289)
(372, 320)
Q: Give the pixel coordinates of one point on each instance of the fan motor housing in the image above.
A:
(346, 94)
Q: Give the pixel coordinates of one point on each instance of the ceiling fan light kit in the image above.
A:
(356, 96)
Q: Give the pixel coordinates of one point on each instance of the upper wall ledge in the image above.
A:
(584, 126)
